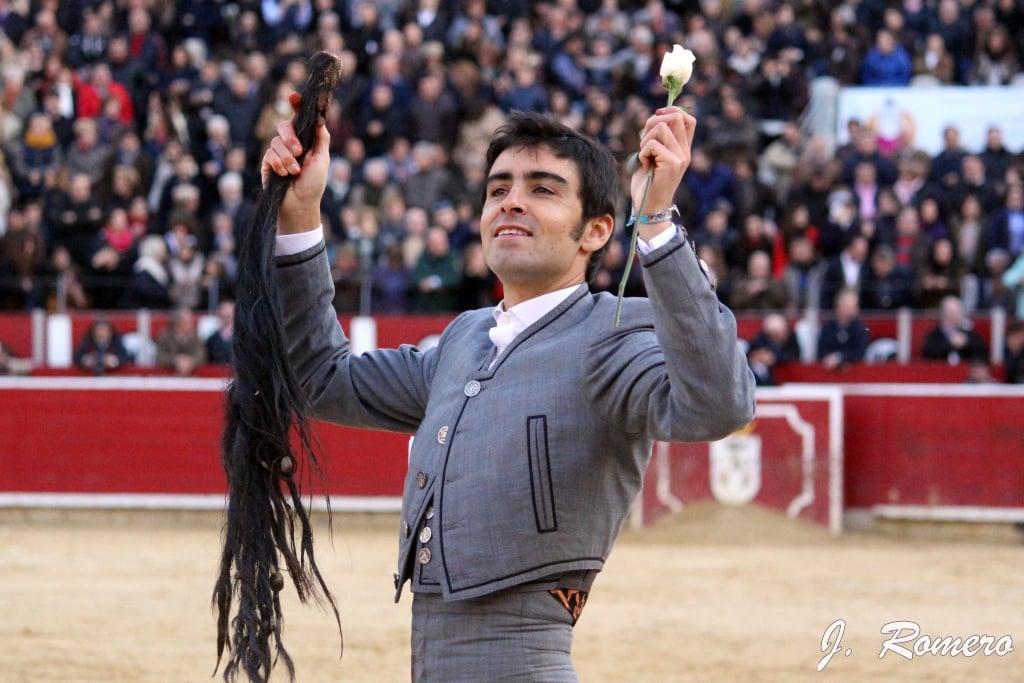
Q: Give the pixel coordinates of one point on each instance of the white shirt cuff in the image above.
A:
(286, 245)
(659, 240)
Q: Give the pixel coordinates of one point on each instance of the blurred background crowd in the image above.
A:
(131, 133)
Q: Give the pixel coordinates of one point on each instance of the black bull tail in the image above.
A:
(267, 530)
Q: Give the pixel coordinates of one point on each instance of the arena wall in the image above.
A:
(154, 441)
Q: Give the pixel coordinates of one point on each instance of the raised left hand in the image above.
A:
(665, 147)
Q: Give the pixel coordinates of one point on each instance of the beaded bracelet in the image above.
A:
(660, 217)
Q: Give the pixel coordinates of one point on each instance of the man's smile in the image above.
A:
(512, 231)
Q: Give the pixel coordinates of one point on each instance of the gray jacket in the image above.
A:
(531, 464)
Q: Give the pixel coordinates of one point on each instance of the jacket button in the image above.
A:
(442, 434)
(425, 534)
(421, 479)
(472, 388)
(405, 529)
(430, 512)
(423, 556)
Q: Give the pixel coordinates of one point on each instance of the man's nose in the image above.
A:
(512, 202)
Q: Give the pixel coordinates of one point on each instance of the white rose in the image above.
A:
(677, 65)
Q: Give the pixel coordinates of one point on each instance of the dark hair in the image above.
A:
(594, 163)
(267, 531)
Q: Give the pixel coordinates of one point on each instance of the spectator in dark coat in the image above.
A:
(887, 285)
(436, 276)
(776, 334)
(939, 276)
(567, 67)
(434, 112)
(802, 274)
(240, 104)
(756, 289)
(946, 165)
(865, 148)
(150, 283)
(76, 217)
(734, 134)
(382, 119)
(708, 181)
(1006, 227)
(761, 361)
(526, 93)
(219, 344)
(842, 48)
(956, 34)
(1014, 365)
(995, 155)
(391, 285)
(100, 350)
(843, 338)
(952, 339)
(845, 270)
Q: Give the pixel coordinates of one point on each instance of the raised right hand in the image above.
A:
(300, 210)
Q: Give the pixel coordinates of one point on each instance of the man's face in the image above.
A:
(531, 223)
(882, 264)
(847, 307)
(1015, 341)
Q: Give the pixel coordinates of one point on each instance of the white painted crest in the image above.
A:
(736, 468)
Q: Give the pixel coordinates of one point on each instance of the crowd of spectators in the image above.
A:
(131, 133)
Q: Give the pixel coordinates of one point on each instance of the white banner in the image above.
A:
(921, 113)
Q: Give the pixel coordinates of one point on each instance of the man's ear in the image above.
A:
(597, 232)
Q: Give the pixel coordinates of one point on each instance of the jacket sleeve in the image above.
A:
(382, 389)
(687, 378)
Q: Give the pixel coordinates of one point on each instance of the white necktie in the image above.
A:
(504, 332)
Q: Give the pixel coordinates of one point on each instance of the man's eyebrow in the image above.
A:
(504, 176)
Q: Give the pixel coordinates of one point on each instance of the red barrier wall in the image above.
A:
(934, 445)
(950, 445)
(916, 371)
(155, 436)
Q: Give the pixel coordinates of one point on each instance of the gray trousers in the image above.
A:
(515, 636)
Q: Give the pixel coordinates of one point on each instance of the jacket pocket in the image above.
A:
(541, 486)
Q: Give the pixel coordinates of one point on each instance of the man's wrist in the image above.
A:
(657, 217)
(293, 243)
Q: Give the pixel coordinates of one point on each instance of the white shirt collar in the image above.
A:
(530, 311)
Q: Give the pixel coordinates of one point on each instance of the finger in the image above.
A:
(280, 159)
(679, 122)
(271, 164)
(689, 127)
(286, 131)
(322, 142)
(295, 99)
(660, 156)
(662, 134)
(287, 150)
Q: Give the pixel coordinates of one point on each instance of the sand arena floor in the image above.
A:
(714, 594)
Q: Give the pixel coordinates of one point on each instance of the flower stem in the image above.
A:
(674, 88)
(632, 246)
